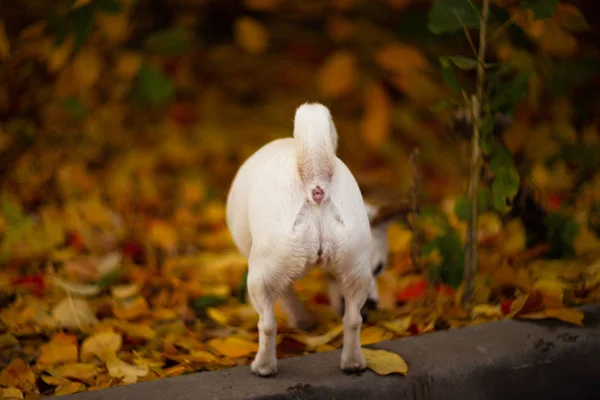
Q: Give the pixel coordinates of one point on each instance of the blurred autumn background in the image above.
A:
(123, 122)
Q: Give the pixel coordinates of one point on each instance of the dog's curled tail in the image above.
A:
(316, 146)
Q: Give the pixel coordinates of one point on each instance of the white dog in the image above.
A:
(294, 204)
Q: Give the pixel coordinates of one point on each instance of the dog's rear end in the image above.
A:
(294, 204)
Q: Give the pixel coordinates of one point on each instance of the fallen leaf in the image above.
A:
(78, 289)
(123, 292)
(385, 362)
(312, 342)
(134, 330)
(163, 235)
(69, 388)
(11, 393)
(487, 310)
(101, 345)
(233, 347)
(131, 309)
(374, 334)
(18, 374)
(72, 312)
(338, 74)
(399, 325)
(570, 315)
(117, 368)
(61, 349)
(83, 372)
(250, 35)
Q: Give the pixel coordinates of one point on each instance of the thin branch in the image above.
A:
(471, 259)
(467, 33)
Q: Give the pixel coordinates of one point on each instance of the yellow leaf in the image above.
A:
(374, 334)
(123, 292)
(118, 368)
(399, 325)
(233, 347)
(61, 349)
(558, 42)
(11, 393)
(385, 362)
(250, 35)
(4, 44)
(18, 374)
(315, 341)
(163, 235)
(570, 315)
(338, 74)
(87, 65)
(133, 330)
(73, 313)
(377, 121)
(487, 310)
(69, 388)
(401, 58)
(261, 5)
(127, 64)
(131, 309)
(80, 371)
(80, 3)
(101, 344)
(57, 57)
(217, 315)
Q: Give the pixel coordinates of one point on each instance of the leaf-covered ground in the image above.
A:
(122, 126)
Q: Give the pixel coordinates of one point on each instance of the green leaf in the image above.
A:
(508, 94)
(207, 301)
(541, 9)
(75, 107)
(168, 42)
(81, 25)
(153, 87)
(446, 16)
(109, 6)
(562, 231)
(464, 63)
(506, 177)
(448, 74)
(450, 270)
(109, 278)
(462, 208)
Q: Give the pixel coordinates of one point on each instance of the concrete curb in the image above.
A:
(501, 360)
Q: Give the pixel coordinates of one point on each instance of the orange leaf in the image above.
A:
(61, 349)
(18, 374)
(338, 74)
(570, 315)
(376, 123)
(233, 347)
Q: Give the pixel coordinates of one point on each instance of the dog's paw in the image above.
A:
(353, 362)
(264, 368)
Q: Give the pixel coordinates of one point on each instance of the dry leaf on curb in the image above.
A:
(11, 393)
(399, 325)
(101, 344)
(233, 347)
(118, 368)
(315, 341)
(69, 388)
(251, 35)
(61, 349)
(570, 315)
(73, 313)
(385, 362)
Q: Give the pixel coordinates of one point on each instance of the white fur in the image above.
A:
(282, 231)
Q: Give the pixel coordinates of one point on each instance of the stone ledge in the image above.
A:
(504, 360)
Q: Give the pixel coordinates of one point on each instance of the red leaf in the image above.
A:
(74, 239)
(505, 306)
(416, 290)
(555, 200)
(34, 283)
(447, 290)
(320, 298)
(182, 113)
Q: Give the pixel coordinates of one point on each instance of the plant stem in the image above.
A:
(471, 259)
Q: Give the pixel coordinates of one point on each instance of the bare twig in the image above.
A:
(467, 33)
(471, 259)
